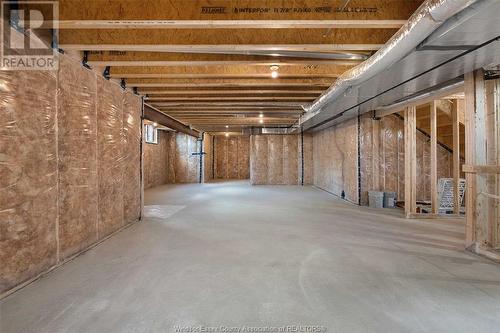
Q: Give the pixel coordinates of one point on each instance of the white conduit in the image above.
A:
(428, 17)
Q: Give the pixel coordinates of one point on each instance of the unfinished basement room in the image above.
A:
(260, 166)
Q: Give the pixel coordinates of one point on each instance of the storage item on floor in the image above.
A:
(389, 199)
(376, 199)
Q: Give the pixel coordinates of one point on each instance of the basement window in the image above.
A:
(150, 134)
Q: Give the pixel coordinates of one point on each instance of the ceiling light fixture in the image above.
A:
(274, 71)
(227, 134)
(261, 115)
(155, 124)
(261, 121)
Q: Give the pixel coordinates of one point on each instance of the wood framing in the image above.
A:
(231, 24)
(410, 161)
(228, 92)
(477, 228)
(221, 48)
(434, 166)
(481, 169)
(191, 63)
(456, 158)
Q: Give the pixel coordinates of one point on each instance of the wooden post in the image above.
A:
(456, 158)
(470, 179)
(477, 228)
(434, 180)
(410, 161)
(492, 123)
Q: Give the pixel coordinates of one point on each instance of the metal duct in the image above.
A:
(428, 17)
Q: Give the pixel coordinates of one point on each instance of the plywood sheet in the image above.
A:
(28, 175)
(110, 159)
(77, 126)
(131, 157)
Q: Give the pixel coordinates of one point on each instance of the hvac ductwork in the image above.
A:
(428, 17)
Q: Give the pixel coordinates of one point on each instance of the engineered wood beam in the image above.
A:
(227, 92)
(228, 104)
(215, 76)
(221, 48)
(232, 98)
(227, 85)
(210, 107)
(191, 63)
(230, 24)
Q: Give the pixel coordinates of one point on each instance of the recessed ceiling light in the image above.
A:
(261, 115)
(227, 126)
(274, 71)
(261, 121)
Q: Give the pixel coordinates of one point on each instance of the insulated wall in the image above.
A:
(277, 159)
(68, 140)
(231, 157)
(335, 156)
(208, 157)
(382, 158)
(28, 175)
(171, 160)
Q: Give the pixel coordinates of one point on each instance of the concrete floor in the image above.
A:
(230, 254)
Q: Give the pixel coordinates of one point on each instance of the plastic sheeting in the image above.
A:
(131, 157)
(28, 175)
(277, 160)
(110, 156)
(336, 160)
(77, 127)
(65, 146)
(232, 157)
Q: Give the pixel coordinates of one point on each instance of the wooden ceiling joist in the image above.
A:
(221, 48)
(159, 63)
(231, 24)
(233, 98)
(228, 92)
(228, 85)
(228, 104)
(215, 76)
